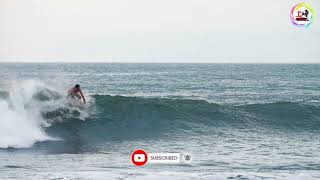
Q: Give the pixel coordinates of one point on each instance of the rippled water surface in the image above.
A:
(238, 121)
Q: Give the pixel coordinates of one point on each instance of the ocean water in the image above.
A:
(238, 121)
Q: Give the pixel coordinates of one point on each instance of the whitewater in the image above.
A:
(237, 121)
(23, 108)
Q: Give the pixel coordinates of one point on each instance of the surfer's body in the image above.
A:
(76, 92)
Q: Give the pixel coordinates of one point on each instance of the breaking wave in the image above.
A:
(25, 113)
(32, 113)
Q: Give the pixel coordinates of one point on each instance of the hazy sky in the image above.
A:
(257, 31)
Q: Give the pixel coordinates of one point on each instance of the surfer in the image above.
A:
(76, 92)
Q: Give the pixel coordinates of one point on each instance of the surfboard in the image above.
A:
(75, 102)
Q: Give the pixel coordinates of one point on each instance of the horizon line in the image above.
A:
(143, 62)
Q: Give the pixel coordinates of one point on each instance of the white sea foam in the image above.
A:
(20, 125)
(21, 122)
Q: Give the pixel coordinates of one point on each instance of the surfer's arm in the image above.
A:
(69, 91)
(84, 100)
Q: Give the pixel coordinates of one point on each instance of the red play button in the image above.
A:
(139, 157)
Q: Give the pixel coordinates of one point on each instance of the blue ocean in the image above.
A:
(237, 121)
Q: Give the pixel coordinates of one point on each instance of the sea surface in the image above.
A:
(237, 121)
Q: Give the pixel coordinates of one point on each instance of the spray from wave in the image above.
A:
(23, 108)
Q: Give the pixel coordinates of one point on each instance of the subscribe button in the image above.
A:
(140, 157)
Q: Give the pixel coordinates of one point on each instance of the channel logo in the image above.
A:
(302, 15)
